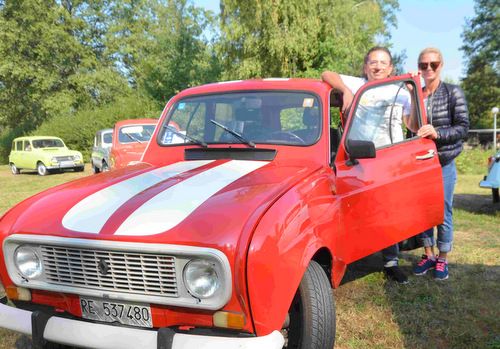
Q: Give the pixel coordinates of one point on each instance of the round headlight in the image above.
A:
(201, 279)
(28, 262)
(54, 159)
(76, 158)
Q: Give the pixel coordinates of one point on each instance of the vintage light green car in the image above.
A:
(43, 154)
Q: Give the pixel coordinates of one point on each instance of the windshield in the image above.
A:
(289, 118)
(47, 143)
(135, 133)
(107, 138)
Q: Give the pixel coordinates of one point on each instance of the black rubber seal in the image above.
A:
(165, 338)
(38, 322)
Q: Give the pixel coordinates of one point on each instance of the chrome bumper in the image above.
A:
(57, 167)
(92, 335)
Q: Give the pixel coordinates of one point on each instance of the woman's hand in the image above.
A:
(427, 131)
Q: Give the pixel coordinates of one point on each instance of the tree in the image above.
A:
(52, 60)
(481, 49)
(288, 38)
(162, 47)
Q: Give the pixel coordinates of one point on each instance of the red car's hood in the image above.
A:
(186, 202)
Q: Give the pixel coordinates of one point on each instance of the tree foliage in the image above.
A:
(481, 49)
(288, 38)
(160, 45)
(52, 60)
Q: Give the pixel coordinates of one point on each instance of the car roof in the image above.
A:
(136, 122)
(314, 85)
(35, 137)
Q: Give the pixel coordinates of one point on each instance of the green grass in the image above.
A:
(462, 312)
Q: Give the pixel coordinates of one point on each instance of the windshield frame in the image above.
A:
(169, 112)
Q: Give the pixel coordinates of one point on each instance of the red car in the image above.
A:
(251, 199)
(130, 139)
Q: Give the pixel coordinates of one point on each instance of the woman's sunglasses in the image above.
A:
(434, 65)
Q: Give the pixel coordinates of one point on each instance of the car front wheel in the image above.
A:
(14, 169)
(105, 167)
(41, 169)
(312, 313)
(496, 197)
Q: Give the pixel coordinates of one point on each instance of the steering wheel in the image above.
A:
(284, 136)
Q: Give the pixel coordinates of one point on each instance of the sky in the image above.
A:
(421, 23)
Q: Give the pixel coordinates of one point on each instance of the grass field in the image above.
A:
(462, 312)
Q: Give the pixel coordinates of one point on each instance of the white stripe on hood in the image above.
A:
(173, 205)
(90, 214)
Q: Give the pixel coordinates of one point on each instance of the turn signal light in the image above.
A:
(18, 293)
(226, 319)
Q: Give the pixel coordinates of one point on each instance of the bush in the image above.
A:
(473, 161)
(78, 130)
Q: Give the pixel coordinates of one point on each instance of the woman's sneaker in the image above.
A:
(441, 272)
(425, 264)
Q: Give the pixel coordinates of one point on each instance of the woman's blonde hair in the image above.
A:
(430, 50)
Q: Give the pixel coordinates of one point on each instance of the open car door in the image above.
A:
(388, 180)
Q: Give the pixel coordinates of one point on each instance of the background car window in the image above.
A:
(47, 143)
(19, 145)
(378, 115)
(135, 133)
(27, 146)
(261, 117)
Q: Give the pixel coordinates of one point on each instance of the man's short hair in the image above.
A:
(378, 48)
(430, 49)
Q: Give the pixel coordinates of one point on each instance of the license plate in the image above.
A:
(127, 313)
(66, 164)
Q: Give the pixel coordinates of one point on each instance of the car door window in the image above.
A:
(27, 146)
(19, 145)
(378, 114)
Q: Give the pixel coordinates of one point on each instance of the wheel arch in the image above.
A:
(284, 242)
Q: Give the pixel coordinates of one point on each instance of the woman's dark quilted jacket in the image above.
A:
(450, 119)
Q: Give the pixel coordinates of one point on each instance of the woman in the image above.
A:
(448, 124)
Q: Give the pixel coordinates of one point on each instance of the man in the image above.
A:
(377, 66)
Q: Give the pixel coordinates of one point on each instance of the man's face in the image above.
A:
(378, 66)
(432, 64)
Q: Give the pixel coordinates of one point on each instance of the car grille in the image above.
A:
(64, 158)
(127, 272)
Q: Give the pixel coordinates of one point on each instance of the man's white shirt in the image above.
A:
(379, 109)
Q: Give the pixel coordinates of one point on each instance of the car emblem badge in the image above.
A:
(103, 266)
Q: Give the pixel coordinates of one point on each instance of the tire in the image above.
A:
(14, 169)
(312, 313)
(105, 167)
(79, 169)
(41, 169)
(496, 197)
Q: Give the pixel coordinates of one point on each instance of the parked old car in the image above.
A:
(130, 138)
(43, 154)
(100, 151)
(492, 180)
(230, 234)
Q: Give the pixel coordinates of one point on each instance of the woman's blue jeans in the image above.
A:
(444, 230)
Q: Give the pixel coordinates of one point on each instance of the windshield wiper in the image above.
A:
(178, 133)
(235, 134)
(132, 138)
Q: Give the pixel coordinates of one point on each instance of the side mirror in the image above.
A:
(359, 150)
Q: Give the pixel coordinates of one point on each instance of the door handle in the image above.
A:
(429, 155)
